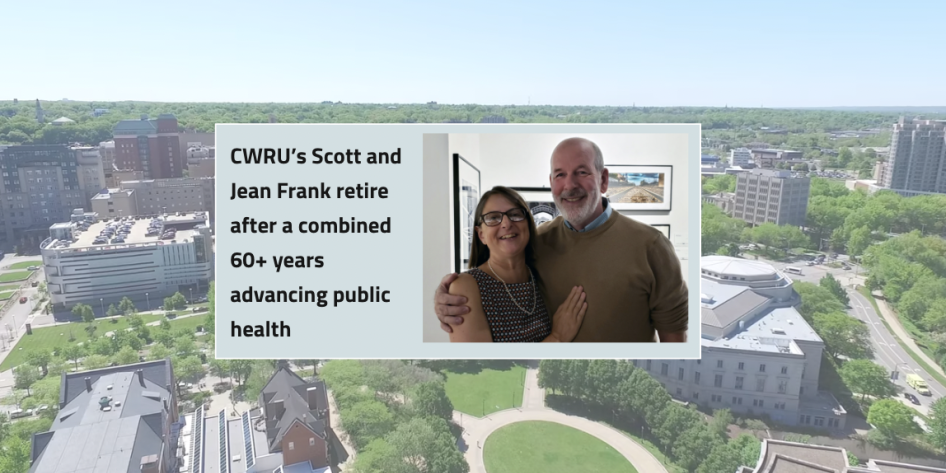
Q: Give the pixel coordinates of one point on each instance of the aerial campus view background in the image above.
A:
(823, 308)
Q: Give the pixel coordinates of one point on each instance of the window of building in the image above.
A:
(739, 380)
(311, 441)
(292, 446)
(760, 384)
(784, 370)
(819, 421)
(717, 398)
(696, 395)
(742, 366)
(680, 374)
(648, 365)
(696, 377)
(664, 369)
(762, 368)
(679, 392)
(718, 382)
(719, 363)
(736, 401)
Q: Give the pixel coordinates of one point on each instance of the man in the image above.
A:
(629, 270)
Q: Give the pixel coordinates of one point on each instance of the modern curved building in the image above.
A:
(143, 258)
(759, 355)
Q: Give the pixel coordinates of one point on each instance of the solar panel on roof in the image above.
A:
(197, 457)
(224, 445)
(248, 440)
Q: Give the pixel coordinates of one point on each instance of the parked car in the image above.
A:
(32, 268)
(810, 263)
(912, 398)
(23, 300)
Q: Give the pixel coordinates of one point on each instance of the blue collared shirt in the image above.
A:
(596, 222)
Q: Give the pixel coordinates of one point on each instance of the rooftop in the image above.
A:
(730, 266)
(137, 229)
(779, 456)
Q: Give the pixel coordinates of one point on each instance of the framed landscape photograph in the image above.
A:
(466, 196)
(540, 202)
(640, 187)
(664, 228)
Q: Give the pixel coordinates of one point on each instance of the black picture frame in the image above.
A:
(465, 199)
(666, 187)
(664, 228)
(540, 202)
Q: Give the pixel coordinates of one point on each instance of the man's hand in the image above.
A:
(672, 337)
(449, 308)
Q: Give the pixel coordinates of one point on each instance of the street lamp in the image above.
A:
(148, 300)
(102, 301)
(192, 295)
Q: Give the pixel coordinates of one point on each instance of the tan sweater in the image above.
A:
(630, 274)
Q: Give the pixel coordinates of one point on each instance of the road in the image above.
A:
(13, 324)
(887, 352)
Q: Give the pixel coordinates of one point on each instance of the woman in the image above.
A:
(504, 298)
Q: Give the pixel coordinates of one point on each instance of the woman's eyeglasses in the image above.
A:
(491, 219)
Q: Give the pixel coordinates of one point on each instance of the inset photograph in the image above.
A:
(556, 238)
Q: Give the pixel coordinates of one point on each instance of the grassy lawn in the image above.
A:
(191, 322)
(10, 287)
(923, 364)
(547, 447)
(14, 276)
(47, 338)
(26, 264)
(485, 392)
(6, 295)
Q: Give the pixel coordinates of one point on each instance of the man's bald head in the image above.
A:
(580, 145)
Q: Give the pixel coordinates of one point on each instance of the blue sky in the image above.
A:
(699, 53)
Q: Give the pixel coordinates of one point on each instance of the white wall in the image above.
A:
(438, 227)
(523, 160)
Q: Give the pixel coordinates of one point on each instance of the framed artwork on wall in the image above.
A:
(640, 187)
(664, 228)
(466, 196)
(540, 202)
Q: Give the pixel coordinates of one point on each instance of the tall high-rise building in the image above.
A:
(917, 163)
(150, 146)
(40, 186)
(768, 195)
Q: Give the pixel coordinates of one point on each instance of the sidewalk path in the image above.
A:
(477, 429)
(336, 422)
(905, 337)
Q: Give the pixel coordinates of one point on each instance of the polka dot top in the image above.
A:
(507, 322)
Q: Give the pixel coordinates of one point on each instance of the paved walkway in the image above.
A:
(477, 429)
(887, 313)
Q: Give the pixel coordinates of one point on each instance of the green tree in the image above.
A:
(673, 421)
(16, 455)
(721, 420)
(740, 451)
(937, 422)
(843, 335)
(24, 376)
(859, 240)
(94, 362)
(178, 301)
(165, 338)
(867, 378)
(188, 368)
(126, 356)
(39, 358)
(892, 418)
(84, 311)
(718, 229)
(366, 421)
(185, 346)
(241, 369)
(695, 445)
(831, 284)
(126, 306)
(816, 300)
(430, 399)
(73, 353)
(158, 352)
(426, 446)
(112, 311)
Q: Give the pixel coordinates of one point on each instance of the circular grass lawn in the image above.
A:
(548, 447)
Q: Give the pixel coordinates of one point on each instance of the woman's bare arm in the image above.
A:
(474, 328)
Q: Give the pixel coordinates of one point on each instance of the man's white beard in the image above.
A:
(585, 212)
